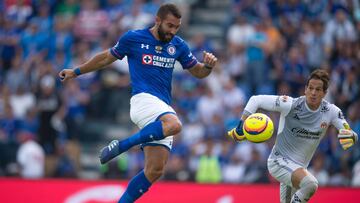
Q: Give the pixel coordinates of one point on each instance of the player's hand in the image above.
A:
(347, 138)
(237, 133)
(67, 74)
(209, 59)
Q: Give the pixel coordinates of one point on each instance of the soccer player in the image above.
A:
(303, 123)
(151, 55)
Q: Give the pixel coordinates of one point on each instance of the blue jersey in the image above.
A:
(151, 62)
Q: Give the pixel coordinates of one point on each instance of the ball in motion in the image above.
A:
(258, 127)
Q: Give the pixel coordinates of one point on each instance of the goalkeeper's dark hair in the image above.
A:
(320, 74)
(168, 8)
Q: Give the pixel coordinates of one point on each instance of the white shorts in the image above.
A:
(281, 168)
(145, 109)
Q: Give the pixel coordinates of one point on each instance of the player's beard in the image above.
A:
(163, 36)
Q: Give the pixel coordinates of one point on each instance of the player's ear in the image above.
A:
(157, 20)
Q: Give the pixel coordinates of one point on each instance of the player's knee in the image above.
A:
(177, 126)
(172, 127)
(154, 172)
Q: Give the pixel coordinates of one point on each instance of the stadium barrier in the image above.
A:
(81, 191)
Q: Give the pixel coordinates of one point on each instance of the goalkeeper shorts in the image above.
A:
(281, 168)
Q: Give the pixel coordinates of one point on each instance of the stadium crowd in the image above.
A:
(269, 47)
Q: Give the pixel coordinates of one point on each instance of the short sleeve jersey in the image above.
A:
(151, 62)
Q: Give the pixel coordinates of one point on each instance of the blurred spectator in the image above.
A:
(339, 28)
(208, 170)
(9, 39)
(30, 156)
(234, 171)
(356, 175)
(314, 44)
(68, 8)
(136, 19)
(256, 172)
(19, 11)
(48, 103)
(91, 21)
(208, 105)
(21, 102)
(318, 169)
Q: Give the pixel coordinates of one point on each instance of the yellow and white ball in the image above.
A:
(258, 128)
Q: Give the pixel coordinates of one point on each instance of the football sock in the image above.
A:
(138, 185)
(151, 132)
(308, 186)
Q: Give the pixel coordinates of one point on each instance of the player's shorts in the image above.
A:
(281, 168)
(145, 109)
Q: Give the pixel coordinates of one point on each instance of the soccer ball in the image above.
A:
(258, 127)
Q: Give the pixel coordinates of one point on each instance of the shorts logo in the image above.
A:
(147, 59)
(171, 50)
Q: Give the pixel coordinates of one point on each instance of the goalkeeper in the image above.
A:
(303, 123)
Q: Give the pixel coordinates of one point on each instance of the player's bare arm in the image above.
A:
(201, 70)
(97, 62)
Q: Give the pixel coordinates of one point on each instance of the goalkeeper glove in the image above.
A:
(237, 133)
(347, 138)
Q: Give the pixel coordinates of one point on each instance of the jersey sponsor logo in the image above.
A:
(171, 50)
(147, 59)
(144, 46)
(154, 60)
(305, 133)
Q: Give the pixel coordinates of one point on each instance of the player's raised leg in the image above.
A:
(155, 161)
(158, 130)
(151, 132)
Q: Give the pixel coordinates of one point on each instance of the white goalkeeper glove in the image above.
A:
(347, 138)
(237, 133)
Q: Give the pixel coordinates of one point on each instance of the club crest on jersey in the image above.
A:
(147, 59)
(171, 50)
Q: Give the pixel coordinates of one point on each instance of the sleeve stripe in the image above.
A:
(191, 64)
(117, 55)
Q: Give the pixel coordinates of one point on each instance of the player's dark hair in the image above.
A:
(168, 8)
(320, 74)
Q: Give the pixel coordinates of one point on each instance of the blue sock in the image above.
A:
(151, 132)
(138, 185)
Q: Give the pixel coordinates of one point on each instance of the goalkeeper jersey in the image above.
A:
(300, 129)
